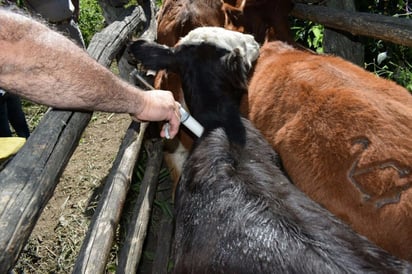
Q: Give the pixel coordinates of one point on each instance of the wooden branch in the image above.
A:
(114, 13)
(115, 36)
(28, 181)
(132, 249)
(150, 10)
(165, 234)
(164, 243)
(96, 246)
(392, 29)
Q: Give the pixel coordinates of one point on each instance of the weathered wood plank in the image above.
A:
(149, 33)
(28, 181)
(132, 247)
(115, 36)
(162, 256)
(164, 242)
(392, 29)
(96, 246)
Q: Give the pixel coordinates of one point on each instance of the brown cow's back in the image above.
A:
(344, 136)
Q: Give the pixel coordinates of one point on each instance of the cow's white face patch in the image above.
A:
(227, 39)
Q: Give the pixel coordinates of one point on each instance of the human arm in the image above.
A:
(45, 67)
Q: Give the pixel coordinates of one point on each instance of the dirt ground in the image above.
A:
(59, 233)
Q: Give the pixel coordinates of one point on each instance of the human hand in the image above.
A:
(159, 105)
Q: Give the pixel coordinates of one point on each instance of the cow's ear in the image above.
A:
(152, 55)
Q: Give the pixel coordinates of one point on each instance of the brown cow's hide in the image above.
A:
(344, 136)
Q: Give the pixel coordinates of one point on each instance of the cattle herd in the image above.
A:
(305, 162)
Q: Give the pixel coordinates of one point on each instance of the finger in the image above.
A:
(166, 129)
(170, 129)
(174, 127)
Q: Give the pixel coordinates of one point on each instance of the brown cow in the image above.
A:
(266, 20)
(344, 136)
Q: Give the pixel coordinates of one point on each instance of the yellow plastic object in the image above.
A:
(10, 145)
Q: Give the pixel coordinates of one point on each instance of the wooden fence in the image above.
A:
(28, 181)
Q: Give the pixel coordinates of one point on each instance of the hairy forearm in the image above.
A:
(45, 67)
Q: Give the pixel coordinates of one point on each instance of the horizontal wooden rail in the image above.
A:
(28, 181)
(392, 29)
(132, 248)
(99, 239)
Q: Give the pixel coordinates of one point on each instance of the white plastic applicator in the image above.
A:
(185, 118)
(188, 121)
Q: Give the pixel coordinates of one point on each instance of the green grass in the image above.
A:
(91, 19)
